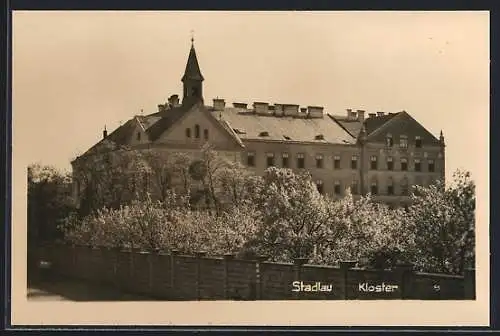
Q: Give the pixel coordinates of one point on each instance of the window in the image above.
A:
(374, 188)
(284, 160)
(354, 162)
(404, 187)
(418, 142)
(431, 167)
(251, 159)
(390, 163)
(390, 187)
(403, 141)
(336, 162)
(389, 142)
(270, 159)
(336, 188)
(188, 132)
(418, 165)
(300, 160)
(354, 187)
(197, 131)
(205, 134)
(404, 164)
(319, 161)
(319, 185)
(373, 162)
(138, 136)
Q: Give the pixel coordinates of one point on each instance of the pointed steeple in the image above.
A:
(192, 79)
(192, 71)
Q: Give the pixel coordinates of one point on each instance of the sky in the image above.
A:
(74, 72)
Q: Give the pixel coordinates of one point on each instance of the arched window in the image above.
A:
(188, 132)
(197, 131)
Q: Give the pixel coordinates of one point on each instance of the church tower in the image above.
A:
(192, 79)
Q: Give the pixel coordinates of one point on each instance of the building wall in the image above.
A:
(328, 174)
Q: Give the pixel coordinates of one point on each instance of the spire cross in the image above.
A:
(192, 37)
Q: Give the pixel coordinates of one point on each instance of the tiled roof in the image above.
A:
(166, 120)
(352, 126)
(373, 123)
(250, 126)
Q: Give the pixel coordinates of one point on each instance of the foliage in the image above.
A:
(49, 202)
(212, 203)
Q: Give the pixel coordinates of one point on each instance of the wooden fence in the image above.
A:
(172, 276)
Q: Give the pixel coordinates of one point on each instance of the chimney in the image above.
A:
(380, 114)
(161, 107)
(261, 108)
(278, 109)
(372, 115)
(173, 101)
(361, 115)
(351, 115)
(291, 110)
(303, 110)
(104, 132)
(219, 104)
(240, 105)
(315, 111)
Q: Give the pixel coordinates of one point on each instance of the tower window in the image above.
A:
(270, 159)
(373, 162)
(284, 160)
(390, 163)
(319, 161)
(188, 132)
(374, 188)
(197, 131)
(300, 160)
(138, 136)
(205, 134)
(251, 159)
(354, 162)
(404, 164)
(336, 187)
(418, 142)
(403, 141)
(418, 165)
(431, 166)
(336, 162)
(319, 185)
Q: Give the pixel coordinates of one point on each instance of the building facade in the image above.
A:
(384, 154)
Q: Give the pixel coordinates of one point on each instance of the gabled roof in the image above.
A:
(402, 123)
(351, 126)
(250, 126)
(374, 123)
(166, 120)
(192, 71)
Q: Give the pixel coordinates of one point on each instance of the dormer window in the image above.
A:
(264, 134)
(197, 131)
(389, 141)
(319, 137)
(286, 137)
(418, 142)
